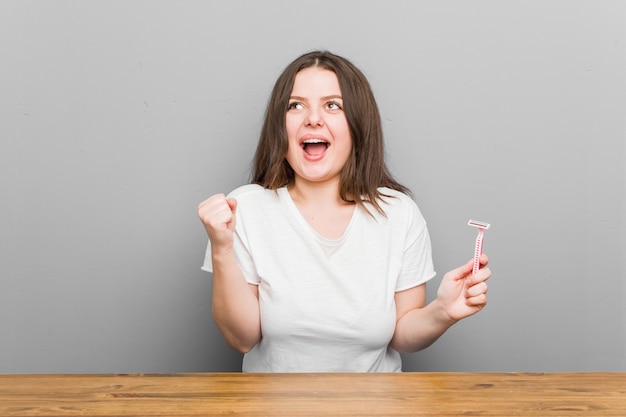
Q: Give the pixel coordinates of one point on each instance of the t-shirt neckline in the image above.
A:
(286, 197)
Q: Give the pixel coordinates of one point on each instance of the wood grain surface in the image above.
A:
(293, 395)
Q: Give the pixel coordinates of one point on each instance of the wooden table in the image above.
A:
(293, 395)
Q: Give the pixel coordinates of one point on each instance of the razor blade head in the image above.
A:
(480, 225)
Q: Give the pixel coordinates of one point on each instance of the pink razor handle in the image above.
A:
(478, 249)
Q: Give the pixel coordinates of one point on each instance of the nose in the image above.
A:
(314, 118)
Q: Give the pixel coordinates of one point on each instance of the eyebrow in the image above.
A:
(331, 97)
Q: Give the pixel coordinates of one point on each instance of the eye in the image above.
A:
(295, 105)
(333, 105)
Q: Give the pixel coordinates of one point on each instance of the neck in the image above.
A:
(316, 193)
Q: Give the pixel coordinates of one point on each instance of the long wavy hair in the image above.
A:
(365, 171)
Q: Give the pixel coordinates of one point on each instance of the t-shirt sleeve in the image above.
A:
(245, 261)
(417, 262)
(208, 264)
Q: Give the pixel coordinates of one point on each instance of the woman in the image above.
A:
(321, 263)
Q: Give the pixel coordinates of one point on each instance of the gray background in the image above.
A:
(118, 117)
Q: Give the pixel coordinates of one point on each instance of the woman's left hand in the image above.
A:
(461, 293)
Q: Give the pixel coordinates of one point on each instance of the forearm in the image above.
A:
(235, 304)
(420, 328)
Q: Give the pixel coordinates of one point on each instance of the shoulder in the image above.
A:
(393, 198)
(253, 193)
(250, 191)
(397, 204)
(385, 191)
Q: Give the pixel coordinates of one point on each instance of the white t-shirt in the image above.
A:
(327, 305)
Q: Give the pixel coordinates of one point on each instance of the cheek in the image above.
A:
(292, 124)
(342, 135)
(289, 129)
(292, 150)
(347, 150)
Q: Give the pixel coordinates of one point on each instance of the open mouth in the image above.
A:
(315, 146)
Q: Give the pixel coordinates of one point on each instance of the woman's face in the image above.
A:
(317, 129)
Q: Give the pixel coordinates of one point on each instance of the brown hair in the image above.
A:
(365, 171)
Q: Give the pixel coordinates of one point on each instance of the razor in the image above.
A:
(478, 250)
